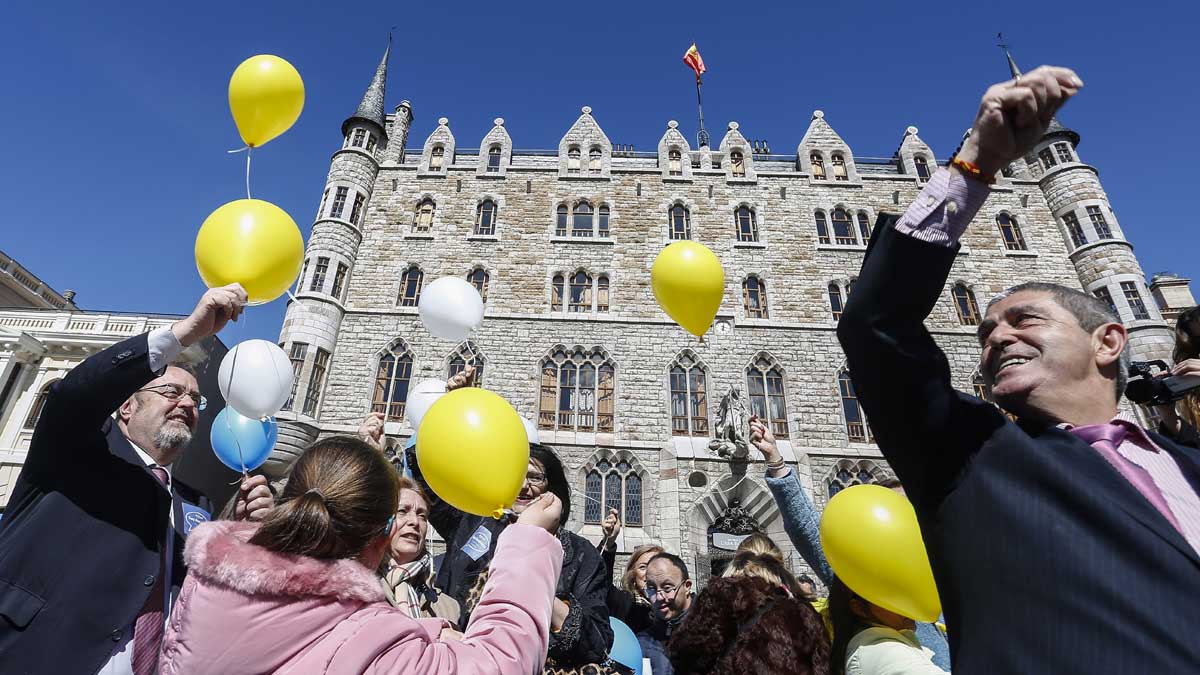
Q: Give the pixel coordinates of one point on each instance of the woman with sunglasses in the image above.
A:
(298, 593)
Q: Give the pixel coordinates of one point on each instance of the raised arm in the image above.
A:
(585, 635)
(926, 429)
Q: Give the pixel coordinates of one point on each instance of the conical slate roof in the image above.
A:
(1055, 128)
(371, 107)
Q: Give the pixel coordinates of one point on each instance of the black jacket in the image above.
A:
(1047, 560)
(623, 605)
(80, 539)
(470, 543)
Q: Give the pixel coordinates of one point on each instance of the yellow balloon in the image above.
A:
(266, 96)
(253, 243)
(873, 543)
(474, 451)
(688, 283)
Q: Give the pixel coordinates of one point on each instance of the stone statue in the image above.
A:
(733, 424)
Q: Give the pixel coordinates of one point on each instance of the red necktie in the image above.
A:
(148, 629)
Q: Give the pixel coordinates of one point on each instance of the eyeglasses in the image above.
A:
(174, 392)
(652, 593)
(535, 478)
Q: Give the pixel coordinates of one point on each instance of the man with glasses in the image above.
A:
(91, 545)
(669, 590)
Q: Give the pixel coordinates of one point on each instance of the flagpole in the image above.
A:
(702, 135)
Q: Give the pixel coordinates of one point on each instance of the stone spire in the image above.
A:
(1055, 128)
(371, 107)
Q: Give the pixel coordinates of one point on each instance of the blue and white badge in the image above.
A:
(479, 543)
(193, 516)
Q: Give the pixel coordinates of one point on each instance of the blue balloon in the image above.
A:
(241, 443)
(626, 650)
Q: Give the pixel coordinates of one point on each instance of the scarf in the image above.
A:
(406, 575)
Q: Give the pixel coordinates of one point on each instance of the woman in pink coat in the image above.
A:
(297, 594)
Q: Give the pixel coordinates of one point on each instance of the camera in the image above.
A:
(1147, 389)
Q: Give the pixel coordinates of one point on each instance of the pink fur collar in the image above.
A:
(219, 552)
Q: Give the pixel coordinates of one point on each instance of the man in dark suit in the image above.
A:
(91, 545)
(1062, 543)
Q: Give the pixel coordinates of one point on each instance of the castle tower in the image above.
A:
(1099, 250)
(313, 319)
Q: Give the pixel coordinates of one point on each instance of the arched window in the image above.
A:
(602, 293)
(1010, 231)
(747, 224)
(754, 296)
(581, 220)
(577, 391)
(764, 380)
(681, 222)
(478, 278)
(557, 287)
(493, 165)
(391, 382)
(560, 222)
(674, 163)
(839, 166)
(843, 229)
(573, 159)
(864, 227)
(737, 165)
(818, 166)
(35, 411)
(965, 305)
(485, 218)
(922, 168)
(423, 218)
(857, 428)
(822, 228)
(613, 486)
(467, 354)
(848, 473)
(581, 292)
(594, 155)
(436, 155)
(410, 286)
(835, 301)
(689, 398)
(602, 221)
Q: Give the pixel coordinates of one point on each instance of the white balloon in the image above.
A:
(450, 308)
(421, 398)
(530, 430)
(255, 378)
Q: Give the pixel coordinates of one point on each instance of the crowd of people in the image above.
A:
(1062, 537)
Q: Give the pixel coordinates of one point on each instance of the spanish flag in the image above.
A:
(692, 58)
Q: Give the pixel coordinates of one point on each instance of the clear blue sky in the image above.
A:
(114, 119)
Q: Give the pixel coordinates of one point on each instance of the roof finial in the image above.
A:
(1012, 65)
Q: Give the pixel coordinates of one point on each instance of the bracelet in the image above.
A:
(776, 465)
(972, 171)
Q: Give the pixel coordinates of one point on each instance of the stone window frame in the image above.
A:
(341, 196)
(1022, 240)
(764, 301)
(855, 468)
(972, 315)
(1086, 225)
(416, 210)
(36, 407)
(843, 286)
(401, 295)
(599, 207)
(466, 353)
(668, 229)
(824, 173)
(441, 136)
(599, 359)
(844, 386)
(1112, 284)
(762, 364)
(487, 280)
(597, 280)
(438, 151)
(495, 151)
(341, 281)
(575, 159)
(318, 375)
(495, 226)
(398, 348)
(613, 458)
(297, 353)
(675, 162)
(756, 228)
(320, 271)
(370, 142)
(920, 162)
(1070, 156)
(698, 425)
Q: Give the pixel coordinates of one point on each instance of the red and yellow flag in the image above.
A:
(692, 58)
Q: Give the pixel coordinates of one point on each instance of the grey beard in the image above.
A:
(172, 437)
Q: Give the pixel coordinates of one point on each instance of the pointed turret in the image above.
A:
(370, 109)
(1055, 128)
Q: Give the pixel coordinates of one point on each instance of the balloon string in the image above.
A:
(246, 149)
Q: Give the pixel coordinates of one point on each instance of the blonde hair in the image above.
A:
(759, 556)
(629, 578)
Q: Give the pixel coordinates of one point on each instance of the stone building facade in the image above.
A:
(561, 242)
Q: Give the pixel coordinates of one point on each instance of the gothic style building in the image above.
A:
(559, 242)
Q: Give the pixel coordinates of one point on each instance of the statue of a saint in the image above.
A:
(732, 427)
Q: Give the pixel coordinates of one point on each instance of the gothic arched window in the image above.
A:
(864, 227)
(436, 155)
(839, 166)
(602, 292)
(410, 286)
(493, 165)
(560, 222)
(681, 222)
(965, 305)
(577, 391)
(602, 221)
(674, 163)
(581, 220)
(478, 278)
(594, 156)
(835, 301)
(485, 218)
(843, 229)
(764, 380)
(580, 299)
(391, 382)
(1010, 232)
(848, 473)
(557, 291)
(857, 428)
(737, 165)
(423, 218)
(818, 166)
(822, 228)
(689, 397)
(573, 159)
(609, 485)
(747, 224)
(754, 297)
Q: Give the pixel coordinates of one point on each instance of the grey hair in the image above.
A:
(1089, 311)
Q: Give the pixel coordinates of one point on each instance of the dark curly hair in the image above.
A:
(717, 637)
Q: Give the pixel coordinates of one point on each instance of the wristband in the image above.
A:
(972, 171)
